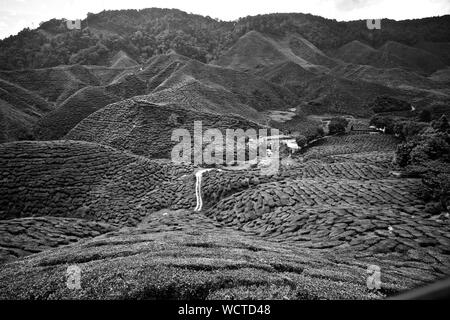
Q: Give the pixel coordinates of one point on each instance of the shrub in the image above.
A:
(407, 129)
(437, 186)
(337, 125)
(428, 157)
(300, 125)
(422, 149)
(403, 152)
(433, 207)
(301, 141)
(320, 132)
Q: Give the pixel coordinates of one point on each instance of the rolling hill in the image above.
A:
(255, 50)
(145, 128)
(391, 55)
(78, 106)
(357, 52)
(335, 95)
(84, 180)
(55, 84)
(440, 49)
(221, 90)
(144, 33)
(157, 69)
(97, 188)
(391, 77)
(20, 110)
(415, 59)
(122, 60)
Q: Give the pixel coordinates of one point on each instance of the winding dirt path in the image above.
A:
(198, 187)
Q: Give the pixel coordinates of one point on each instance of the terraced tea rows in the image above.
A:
(80, 179)
(309, 231)
(188, 263)
(351, 144)
(388, 230)
(380, 159)
(347, 203)
(145, 128)
(219, 185)
(109, 201)
(249, 204)
(24, 236)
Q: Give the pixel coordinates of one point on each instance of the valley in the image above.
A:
(87, 176)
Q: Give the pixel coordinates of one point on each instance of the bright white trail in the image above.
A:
(198, 187)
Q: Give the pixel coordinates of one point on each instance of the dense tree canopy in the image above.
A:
(426, 154)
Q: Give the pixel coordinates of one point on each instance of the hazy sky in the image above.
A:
(18, 14)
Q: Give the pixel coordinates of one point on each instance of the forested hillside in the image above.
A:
(148, 32)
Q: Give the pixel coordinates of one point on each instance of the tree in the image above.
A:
(428, 157)
(301, 141)
(204, 38)
(337, 125)
(408, 129)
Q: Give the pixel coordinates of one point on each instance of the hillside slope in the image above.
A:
(78, 106)
(144, 33)
(309, 232)
(122, 60)
(391, 77)
(357, 52)
(440, 49)
(20, 109)
(255, 50)
(391, 55)
(146, 128)
(220, 90)
(159, 68)
(416, 59)
(55, 84)
(85, 180)
(331, 94)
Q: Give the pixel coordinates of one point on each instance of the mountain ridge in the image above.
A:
(147, 32)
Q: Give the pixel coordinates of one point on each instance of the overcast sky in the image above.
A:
(18, 14)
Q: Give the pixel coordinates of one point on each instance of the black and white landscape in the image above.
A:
(93, 207)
